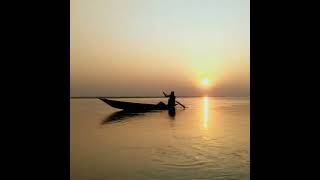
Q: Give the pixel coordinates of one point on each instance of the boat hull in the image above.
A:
(130, 106)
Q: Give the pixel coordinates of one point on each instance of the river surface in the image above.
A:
(210, 139)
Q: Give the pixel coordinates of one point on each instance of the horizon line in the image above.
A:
(96, 97)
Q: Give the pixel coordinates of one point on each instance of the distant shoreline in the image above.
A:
(155, 97)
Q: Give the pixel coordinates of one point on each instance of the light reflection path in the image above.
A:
(205, 120)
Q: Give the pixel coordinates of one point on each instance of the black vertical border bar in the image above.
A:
(66, 48)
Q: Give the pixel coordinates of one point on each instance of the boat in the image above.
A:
(130, 106)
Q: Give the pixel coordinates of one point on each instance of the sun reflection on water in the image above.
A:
(205, 120)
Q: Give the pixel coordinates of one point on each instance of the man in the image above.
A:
(171, 100)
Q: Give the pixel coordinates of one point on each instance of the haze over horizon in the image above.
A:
(143, 47)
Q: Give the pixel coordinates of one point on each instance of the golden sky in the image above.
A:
(144, 47)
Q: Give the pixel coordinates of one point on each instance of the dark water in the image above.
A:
(208, 140)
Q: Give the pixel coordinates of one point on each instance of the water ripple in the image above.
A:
(200, 157)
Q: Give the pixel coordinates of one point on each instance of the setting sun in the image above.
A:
(205, 81)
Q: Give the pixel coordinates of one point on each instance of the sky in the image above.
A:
(143, 47)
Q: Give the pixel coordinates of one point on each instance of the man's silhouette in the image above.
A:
(172, 100)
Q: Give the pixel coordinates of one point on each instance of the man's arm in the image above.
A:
(165, 94)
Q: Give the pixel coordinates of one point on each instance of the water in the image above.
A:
(208, 140)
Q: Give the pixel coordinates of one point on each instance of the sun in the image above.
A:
(205, 81)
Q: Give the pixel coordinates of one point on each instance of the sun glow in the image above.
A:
(205, 81)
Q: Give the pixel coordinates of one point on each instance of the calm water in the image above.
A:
(208, 140)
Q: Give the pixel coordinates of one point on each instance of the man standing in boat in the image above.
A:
(171, 100)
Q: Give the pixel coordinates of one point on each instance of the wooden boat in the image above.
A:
(130, 106)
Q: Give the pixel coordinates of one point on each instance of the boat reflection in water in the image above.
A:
(119, 116)
(124, 115)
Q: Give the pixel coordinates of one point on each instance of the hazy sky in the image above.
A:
(144, 47)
